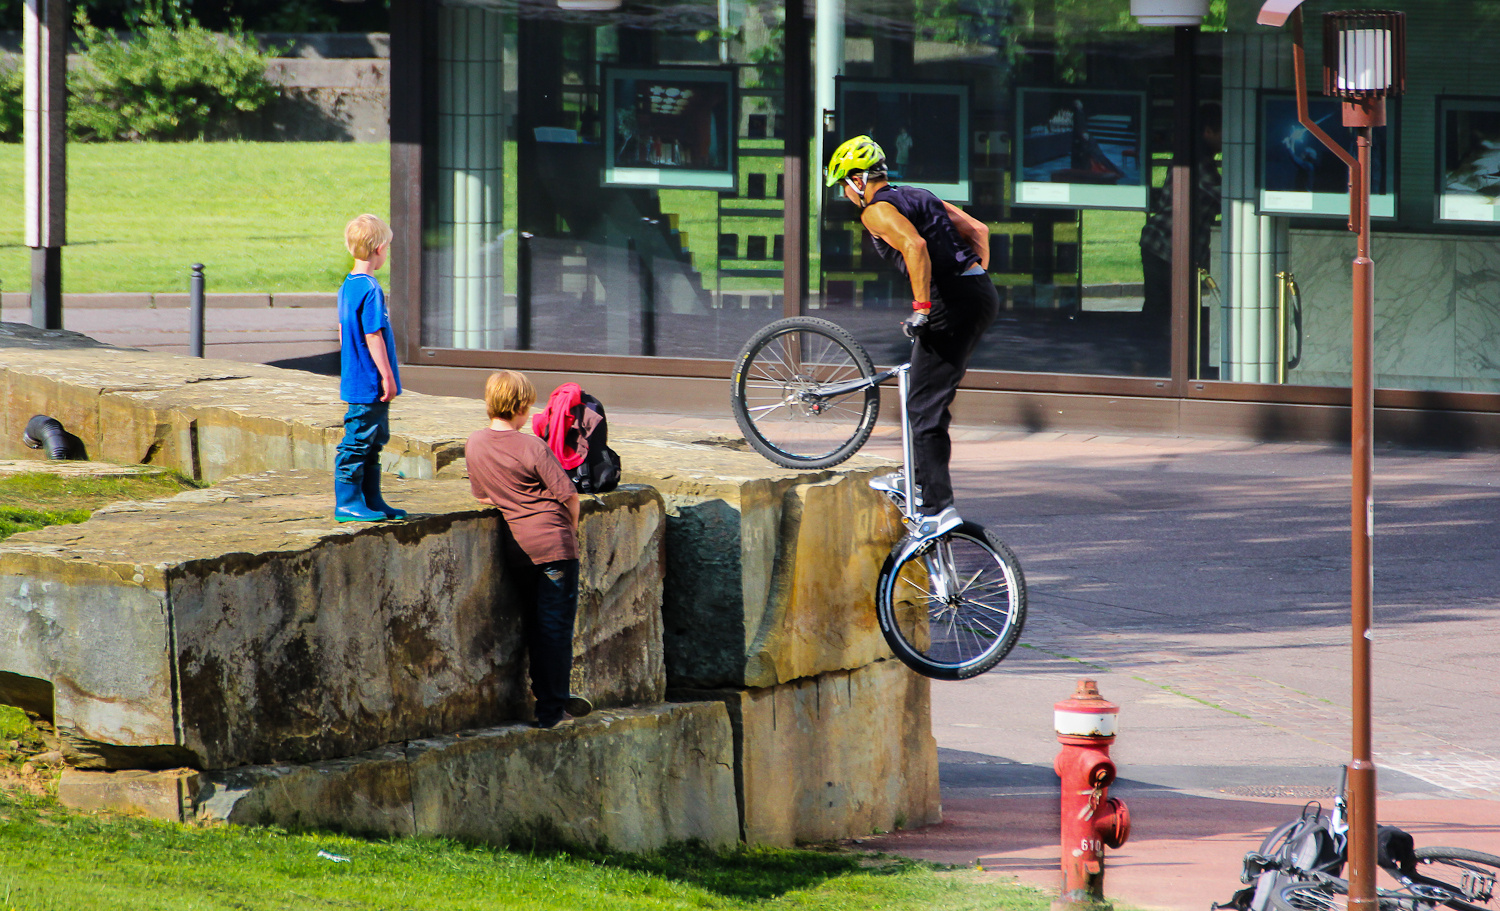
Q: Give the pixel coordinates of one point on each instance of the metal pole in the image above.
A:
(523, 290)
(1182, 179)
(1361, 786)
(195, 312)
(794, 163)
(45, 27)
(647, 280)
(908, 457)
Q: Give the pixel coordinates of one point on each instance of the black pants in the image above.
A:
(1156, 275)
(966, 306)
(553, 590)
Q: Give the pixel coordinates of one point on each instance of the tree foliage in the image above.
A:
(12, 81)
(218, 15)
(169, 79)
(1008, 25)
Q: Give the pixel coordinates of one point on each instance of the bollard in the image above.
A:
(1091, 819)
(195, 312)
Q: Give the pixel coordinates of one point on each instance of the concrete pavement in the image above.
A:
(301, 337)
(1205, 585)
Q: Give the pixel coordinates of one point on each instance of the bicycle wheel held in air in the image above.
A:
(952, 607)
(802, 393)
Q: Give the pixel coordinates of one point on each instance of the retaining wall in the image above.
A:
(377, 634)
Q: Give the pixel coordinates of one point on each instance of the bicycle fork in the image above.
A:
(941, 572)
(909, 508)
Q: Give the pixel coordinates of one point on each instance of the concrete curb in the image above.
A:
(21, 300)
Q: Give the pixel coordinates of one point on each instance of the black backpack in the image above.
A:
(1309, 844)
(574, 427)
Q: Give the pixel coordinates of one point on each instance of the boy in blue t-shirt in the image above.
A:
(367, 376)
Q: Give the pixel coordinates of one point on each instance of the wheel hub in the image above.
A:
(798, 396)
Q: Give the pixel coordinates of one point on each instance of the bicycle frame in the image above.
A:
(902, 375)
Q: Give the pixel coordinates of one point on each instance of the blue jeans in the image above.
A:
(367, 428)
(553, 588)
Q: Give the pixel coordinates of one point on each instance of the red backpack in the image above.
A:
(574, 427)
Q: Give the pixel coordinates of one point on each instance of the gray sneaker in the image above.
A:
(938, 525)
(577, 706)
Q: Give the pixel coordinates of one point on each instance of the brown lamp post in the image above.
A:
(1364, 61)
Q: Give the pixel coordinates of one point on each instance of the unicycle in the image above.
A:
(806, 395)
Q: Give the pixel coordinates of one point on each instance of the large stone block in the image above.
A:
(839, 755)
(772, 571)
(241, 624)
(632, 779)
(209, 418)
(165, 795)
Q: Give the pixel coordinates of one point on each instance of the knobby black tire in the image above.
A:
(964, 636)
(1330, 894)
(1472, 875)
(773, 393)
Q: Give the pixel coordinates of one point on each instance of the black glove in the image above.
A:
(915, 324)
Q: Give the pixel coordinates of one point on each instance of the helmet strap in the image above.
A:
(859, 189)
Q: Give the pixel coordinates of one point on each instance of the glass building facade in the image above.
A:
(636, 187)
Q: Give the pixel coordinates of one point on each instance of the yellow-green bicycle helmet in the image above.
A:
(858, 154)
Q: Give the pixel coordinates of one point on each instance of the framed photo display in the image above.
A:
(1468, 161)
(669, 127)
(923, 127)
(1299, 176)
(1081, 149)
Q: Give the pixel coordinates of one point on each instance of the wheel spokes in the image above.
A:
(781, 394)
(976, 612)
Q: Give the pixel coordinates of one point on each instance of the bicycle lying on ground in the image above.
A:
(1297, 869)
(806, 395)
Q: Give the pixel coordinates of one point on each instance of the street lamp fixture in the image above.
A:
(1364, 56)
(1364, 62)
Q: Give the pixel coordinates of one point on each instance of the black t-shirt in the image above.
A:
(949, 254)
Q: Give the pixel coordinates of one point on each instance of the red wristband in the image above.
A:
(921, 305)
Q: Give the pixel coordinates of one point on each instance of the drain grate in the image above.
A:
(1295, 791)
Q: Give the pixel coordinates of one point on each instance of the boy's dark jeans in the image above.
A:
(553, 588)
(367, 428)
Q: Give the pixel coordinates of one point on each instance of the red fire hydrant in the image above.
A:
(1091, 818)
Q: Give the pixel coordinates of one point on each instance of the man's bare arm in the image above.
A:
(974, 232)
(883, 221)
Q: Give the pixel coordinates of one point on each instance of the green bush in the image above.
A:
(168, 80)
(12, 82)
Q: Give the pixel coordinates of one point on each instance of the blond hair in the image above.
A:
(364, 234)
(508, 393)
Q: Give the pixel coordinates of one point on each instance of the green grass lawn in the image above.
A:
(263, 217)
(269, 217)
(35, 499)
(1111, 246)
(57, 860)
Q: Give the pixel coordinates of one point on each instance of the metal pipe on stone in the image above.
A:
(195, 312)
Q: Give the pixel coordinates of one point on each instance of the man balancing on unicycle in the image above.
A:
(944, 253)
